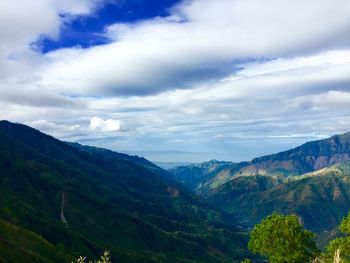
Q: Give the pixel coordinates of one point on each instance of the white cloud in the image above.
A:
(76, 7)
(64, 131)
(162, 54)
(331, 100)
(109, 125)
(264, 70)
(26, 94)
(21, 23)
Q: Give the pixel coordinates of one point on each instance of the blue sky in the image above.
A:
(182, 81)
(85, 30)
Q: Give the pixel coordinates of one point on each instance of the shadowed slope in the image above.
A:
(111, 201)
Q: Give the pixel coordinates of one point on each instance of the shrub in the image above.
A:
(104, 259)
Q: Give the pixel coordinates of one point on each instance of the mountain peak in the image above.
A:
(4, 123)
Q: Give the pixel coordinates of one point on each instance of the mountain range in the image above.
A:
(308, 157)
(311, 181)
(60, 200)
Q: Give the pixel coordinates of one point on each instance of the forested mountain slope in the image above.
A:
(308, 157)
(109, 201)
(320, 199)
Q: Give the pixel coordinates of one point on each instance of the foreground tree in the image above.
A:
(282, 239)
(343, 243)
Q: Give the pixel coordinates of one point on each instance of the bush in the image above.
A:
(104, 259)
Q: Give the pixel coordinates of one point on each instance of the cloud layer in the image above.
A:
(201, 41)
(218, 79)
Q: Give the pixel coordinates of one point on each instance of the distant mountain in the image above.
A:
(194, 175)
(60, 200)
(308, 157)
(108, 154)
(171, 165)
(312, 181)
(321, 199)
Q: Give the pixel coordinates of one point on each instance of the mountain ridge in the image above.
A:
(110, 203)
(308, 157)
(321, 199)
(311, 181)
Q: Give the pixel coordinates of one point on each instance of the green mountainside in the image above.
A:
(194, 175)
(308, 157)
(320, 199)
(66, 199)
(311, 181)
(20, 245)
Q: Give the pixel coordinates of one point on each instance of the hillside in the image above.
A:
(321, 199)
(17, 244)
(194, 175)
(308, 157)
(108, 201)
(312, 181)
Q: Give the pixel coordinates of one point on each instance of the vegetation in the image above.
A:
(282, 239)
(306, 158)
(17, 244)
(320, 199)
(312, 181)
(127, 205)
(112, 201)
(341, 245)
(195, 176)
(105, 258)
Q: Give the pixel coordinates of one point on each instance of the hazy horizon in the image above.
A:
(249, 149)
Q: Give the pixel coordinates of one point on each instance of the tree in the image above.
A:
(342, 243)
(282, 239)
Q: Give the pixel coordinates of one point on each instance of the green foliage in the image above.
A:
(246, 261)
(17, 244)
(341, 243)
(320, 199)
(345, 225)
(282, 239)
(105, 258)
(112, 201)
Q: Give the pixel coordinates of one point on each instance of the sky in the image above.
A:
(181, 81)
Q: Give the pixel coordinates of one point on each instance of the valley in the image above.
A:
(311, 181)
(111, 201)
(67, 199)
